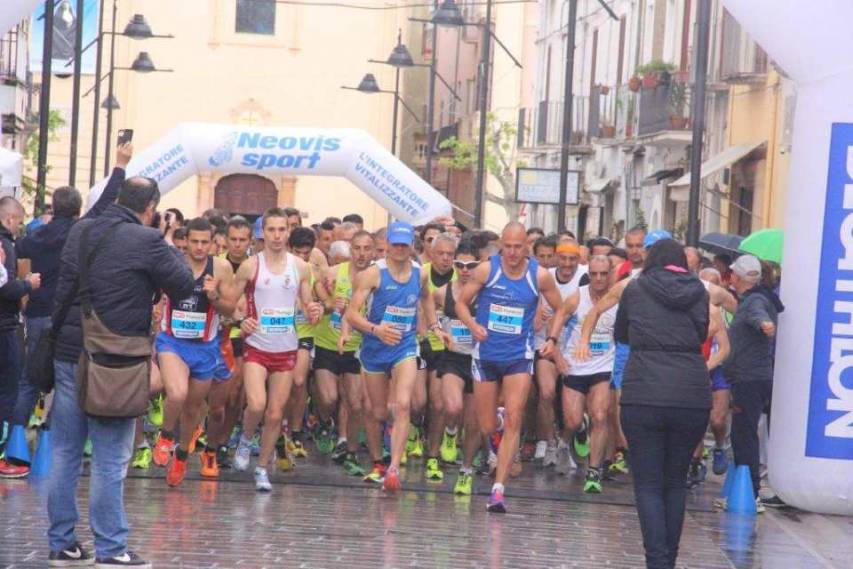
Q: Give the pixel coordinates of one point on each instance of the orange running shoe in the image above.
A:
(392, 481)
(163, 450)
(199, 431)
(177, 471)
(209, 464)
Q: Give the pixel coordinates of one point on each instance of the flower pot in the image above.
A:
(604, 90)
(650, 80)
(634, 83)
(678, 123)
(607, 131)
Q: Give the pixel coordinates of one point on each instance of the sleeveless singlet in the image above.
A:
(394, 303)
(304, 329)
(506, 308)
(565, 289)
(435, 343)
(193, 318)
(601, 345)
(463, 341)
(328, 330)
(271, 299)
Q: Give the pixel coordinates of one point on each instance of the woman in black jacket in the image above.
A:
(666, 398)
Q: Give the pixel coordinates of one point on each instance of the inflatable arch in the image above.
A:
(192, 148)
(811, 444)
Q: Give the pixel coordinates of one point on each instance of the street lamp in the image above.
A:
(110, 104)
(448, 14)
(370, 86)
(143, 63)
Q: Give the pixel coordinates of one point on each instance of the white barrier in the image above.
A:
(811, 432)
(192, 148)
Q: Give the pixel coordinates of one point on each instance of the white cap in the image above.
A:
(747, 267)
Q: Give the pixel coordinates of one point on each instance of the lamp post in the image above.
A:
(75, 97)
(44, 107)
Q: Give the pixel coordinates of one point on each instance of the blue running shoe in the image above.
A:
(721, 461)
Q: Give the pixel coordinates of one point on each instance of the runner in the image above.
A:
(273, 280)
(586, 385)
(188, 349)
(507, 292)
(545, 251)
(390, 346)
(454, 364)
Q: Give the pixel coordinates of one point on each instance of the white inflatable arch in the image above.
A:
(192, 148)
(811, 431)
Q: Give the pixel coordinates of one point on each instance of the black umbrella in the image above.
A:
(721, 243)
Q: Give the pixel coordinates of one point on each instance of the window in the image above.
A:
(256, 17)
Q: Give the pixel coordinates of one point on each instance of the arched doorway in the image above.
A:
(249, 195)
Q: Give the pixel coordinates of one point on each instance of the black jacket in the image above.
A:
(14, 290)
(751, 358)
(125, 275)
(663, 316)
(44, 246)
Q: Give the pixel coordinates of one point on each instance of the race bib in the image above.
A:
(506, 319)
(335, 320)
(401, 319)
(460, 333)
(599, 344)
(188, 325)
(277, 321)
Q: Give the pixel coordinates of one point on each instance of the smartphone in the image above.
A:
(125, 135)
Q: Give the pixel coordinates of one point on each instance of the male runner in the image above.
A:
(587, 385)
(389, 348)
(545, 251)
(335, 362)
(454, 364)
(507, 290)
(188, 348)
(273, 281)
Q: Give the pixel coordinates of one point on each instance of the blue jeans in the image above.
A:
(27, 394)
(112, 445)
(661, 441)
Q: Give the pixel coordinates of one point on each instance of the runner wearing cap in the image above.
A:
(389, 348)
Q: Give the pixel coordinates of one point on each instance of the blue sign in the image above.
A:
(830, 423)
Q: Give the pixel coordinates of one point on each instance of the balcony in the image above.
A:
(14, 96)
(542, 126)
(663, 114)
(742, 61)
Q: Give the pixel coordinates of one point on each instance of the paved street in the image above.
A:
(316, 517)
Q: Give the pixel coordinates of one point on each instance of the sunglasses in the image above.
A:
(469, 266)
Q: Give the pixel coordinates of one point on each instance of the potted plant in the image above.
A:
(604, 90)
(655, 72)
(677, 101)
(607, 131)
(634, 83)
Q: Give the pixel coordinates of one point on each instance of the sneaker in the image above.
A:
(155, 411)
(391, 482)
(549, 457)
(377, 474)
(352, 466)
(340, 453)
(284, 461)
(296, 449)
(541, 447)
(592, 485)
(234, 439)
(222, 458)
(243, 456)
(262, 480)
(255, 445)
(581, 444)
(449, 449)
(209, 465)
(759, 506)
(177, 471)
(565, 462)
(162, 450)
(415, 446)
(619, 464)
(528, 451)
(74, 556)
(433, 470)
(199, 431)
(496, 504)
(696, 474)
(9, 470)
(141, 458)
(464, 484)
(323, 441)
(721, 461)
(774, 502)
(127, 559)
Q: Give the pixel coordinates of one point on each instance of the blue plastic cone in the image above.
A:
(42, 460)
(17, 447)
(741, 498)
(727, 485)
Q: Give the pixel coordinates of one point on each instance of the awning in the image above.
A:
(598, 185)
(11, 168)
(719, 161)
(656, 178)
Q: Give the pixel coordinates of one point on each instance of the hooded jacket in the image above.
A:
(14, 289)
(663, 316)
(751, 358)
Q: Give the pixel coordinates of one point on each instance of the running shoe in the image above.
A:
(391, 482)
(352, 466)
(209, 464)
(234, 439)
(222, 458)
(721, 461)
(433, 470)
(9, 470)
(619, 464)
(141, 458)
(377, 474)
(284, 462)
(296, 449)
(415, 444)
(324, 441)
(255, 445)
(199, 431)
(126, 559)
(243, 455)
(449, 449)
(759, 506)
(340, 452)
(592, 485)
(565, 461)
(262, 480)
(581, 444)
(163, 450)
(774, 502)
(550, 456)
(496, 504)
(528, 451)
(464, 484)
(155, 411)
(696, 473)
(177, 471)
(541, 447)
(74, 556)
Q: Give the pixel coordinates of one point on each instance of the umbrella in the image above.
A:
(720, 243)
(765, 244)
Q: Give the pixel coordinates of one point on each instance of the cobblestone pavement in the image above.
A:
(318, 517)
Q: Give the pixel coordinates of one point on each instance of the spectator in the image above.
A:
(666, 397)
(356, 219)
(173, 220)
(125, 273)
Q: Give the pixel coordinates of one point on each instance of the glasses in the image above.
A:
(469, 266)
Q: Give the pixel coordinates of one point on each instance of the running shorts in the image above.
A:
(458, 365)
(203, 359)
(583, 383)
(336, 363)
(273, 362)
(487, 370)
